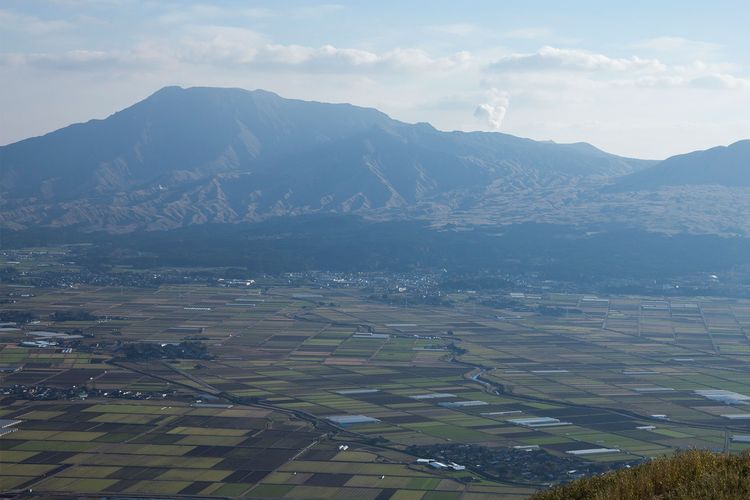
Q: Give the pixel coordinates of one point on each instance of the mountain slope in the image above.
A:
(723, 165)
(187, 156)
(687, 475)
(197, 130)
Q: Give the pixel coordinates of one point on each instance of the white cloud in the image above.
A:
(241, 47)
(457, 29)
(720, 81)
(69, 60)
(494, 110)
(207, 12)
(202, 13)
(679, 45)
(138, 58)
(528, 33)
(552, 67)
(12, 21)
(552, 58)
(710, 81)
(75, 59)
(86, 3)
(312, 11)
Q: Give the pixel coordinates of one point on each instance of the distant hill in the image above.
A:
(689, 475)
(724, 166)
(197, 155)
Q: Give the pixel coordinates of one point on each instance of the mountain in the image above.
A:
(723, 166)
(201, 131)
(197, 155)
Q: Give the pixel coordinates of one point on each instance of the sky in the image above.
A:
(647, 79)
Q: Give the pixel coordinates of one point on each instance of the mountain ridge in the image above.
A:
(189, 156)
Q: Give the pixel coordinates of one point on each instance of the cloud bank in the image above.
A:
(583, 67)
(634, 91)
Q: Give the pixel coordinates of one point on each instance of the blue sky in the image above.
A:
(646, 79)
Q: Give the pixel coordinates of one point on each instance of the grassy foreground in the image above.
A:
(694, 474)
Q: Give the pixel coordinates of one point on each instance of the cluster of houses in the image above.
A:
(440, 465)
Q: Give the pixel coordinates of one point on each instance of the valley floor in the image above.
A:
(570, 385)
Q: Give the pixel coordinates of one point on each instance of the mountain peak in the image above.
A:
(217, 94)
(169, 89)
(721, 165)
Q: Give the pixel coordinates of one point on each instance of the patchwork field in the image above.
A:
(325, 393)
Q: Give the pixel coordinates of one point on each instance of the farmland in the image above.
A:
(323, 392)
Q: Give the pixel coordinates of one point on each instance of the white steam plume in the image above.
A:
(493, 111)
